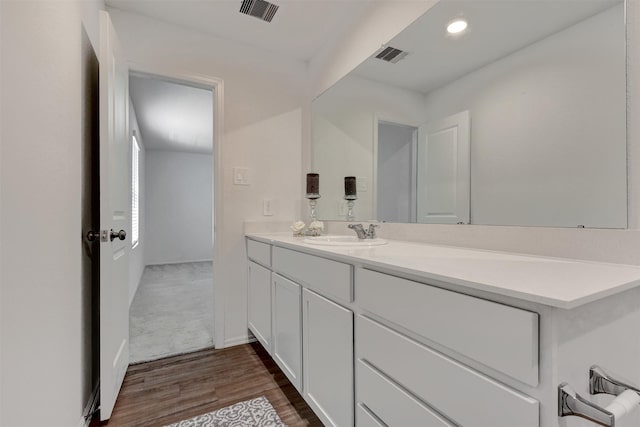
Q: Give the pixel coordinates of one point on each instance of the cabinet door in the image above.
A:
(259, 304)
(328, 359)
(287, 328)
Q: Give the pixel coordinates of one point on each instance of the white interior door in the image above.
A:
(443, 176)
(115, 210)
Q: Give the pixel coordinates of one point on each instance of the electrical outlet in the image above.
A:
(240, 176)
(267, 207)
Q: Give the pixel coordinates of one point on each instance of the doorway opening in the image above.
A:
(171, 274)
(433, 186)
(395, 150)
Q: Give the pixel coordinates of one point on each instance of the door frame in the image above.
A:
(216, 85)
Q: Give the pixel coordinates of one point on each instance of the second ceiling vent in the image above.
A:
(391, 54)
(259, 8)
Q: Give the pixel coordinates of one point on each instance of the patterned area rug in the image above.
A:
(250, 413)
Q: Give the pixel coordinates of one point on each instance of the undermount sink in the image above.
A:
(330, 240)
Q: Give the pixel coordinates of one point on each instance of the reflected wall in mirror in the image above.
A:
(519, 120)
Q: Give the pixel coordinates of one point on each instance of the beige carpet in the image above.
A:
(172, 311)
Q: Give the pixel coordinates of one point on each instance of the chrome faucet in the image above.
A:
(362, 234)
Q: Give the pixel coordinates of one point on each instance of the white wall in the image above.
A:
(271, 150)
(568, 172)
(45, 380)
(179, 204)
(137, 257)
(343, 134)
(262, 131)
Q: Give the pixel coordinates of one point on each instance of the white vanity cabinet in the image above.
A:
(259, 303)
(303, 319)
(325, 276)
(287, 328)
(328, 359)
(259, 291)
(501, 337)
(327, 331)
(436, 388)
(412, 334)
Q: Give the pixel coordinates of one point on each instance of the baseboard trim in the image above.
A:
(90, 407)
(177, 262)
(243, 339)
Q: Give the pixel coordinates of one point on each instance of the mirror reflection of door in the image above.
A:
(443, 170)
(423, 173)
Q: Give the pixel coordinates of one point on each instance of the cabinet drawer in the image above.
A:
(463, 395)
(326, 277)
(259, 252)
(501, 337)
(391, 404)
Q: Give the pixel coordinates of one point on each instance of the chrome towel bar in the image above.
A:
(601, 383)
(571, 403)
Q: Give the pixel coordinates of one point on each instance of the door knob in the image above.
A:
(118, 235)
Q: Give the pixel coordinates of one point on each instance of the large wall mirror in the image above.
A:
(520, 119)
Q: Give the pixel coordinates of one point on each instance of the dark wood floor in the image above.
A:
(176, 388)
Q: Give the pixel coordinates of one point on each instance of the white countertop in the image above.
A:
(557, 282)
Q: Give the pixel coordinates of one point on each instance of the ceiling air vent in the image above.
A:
(259, 8)
(391, 54)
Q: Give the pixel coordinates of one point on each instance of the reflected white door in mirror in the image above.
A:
(443, 170)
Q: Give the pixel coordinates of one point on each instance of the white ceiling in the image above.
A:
(172, 116)
(178, 118)
(298, 30)
(496, 29)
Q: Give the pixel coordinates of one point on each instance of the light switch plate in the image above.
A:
(240, 176)
(363, 184)
(342, 208)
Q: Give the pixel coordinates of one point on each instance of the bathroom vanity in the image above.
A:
(412, 334)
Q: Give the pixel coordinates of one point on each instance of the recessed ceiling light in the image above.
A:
(457, 26)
